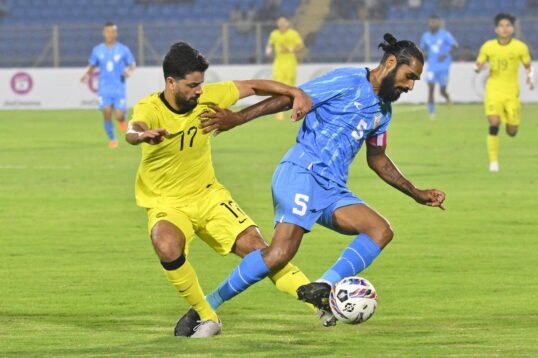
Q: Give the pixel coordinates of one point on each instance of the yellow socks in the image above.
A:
(493, 148)
(288, 280)
(182, 276)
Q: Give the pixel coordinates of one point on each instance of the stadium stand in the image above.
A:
(29, 28)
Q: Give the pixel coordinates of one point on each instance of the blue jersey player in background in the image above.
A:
(438, 45)
(115, 63)
(351, 107)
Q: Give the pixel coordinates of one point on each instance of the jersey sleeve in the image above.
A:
(297, 39)
(129, 58)
(483, 54)
(525, 55)
(223, 94)
(328, 86)
(451, 41)
(272, 38)
(94, 60)
(145, 112)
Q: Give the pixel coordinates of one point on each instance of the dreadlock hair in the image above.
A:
(403, 50)
(504, 16)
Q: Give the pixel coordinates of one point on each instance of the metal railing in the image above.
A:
(239, 43)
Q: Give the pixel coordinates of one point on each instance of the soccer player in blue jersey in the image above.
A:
(438, 44)
(116, 63)
(351, 106)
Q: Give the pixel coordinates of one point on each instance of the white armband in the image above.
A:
(530, 74)
(130, 130)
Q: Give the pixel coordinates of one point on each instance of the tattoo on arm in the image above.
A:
(386, 170)
(390, 173)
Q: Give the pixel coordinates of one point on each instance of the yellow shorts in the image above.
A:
(213, 217)
(507, 107)
(285, 73)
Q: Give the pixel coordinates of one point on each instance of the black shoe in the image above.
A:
(316, 293)
(185, 325)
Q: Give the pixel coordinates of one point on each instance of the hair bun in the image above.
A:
(391, 40)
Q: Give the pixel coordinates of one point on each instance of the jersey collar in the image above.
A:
(163, 99)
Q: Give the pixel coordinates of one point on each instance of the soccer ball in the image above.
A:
(353, 300)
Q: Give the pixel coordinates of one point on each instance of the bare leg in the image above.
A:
(445, 94)
(360, 218)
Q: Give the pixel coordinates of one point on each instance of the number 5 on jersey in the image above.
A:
(301, 201)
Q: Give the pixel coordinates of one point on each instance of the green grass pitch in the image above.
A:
(78, 276)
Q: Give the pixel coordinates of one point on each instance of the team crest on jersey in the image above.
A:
(117, 57)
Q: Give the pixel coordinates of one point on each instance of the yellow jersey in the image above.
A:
(179, 168)
(288, 39)
(504, 63)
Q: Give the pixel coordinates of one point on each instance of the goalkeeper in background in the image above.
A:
(503, 54)
(284, 42)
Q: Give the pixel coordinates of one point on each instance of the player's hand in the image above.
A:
(154, 136)
(126, 73)
(430, 197)
(220, 120)
(84, 78)
(530, 83)
(302, 104)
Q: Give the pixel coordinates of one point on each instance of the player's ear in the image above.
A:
(170, 82)
(390, 63)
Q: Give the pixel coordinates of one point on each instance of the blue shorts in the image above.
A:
(437, 76)
(302, 197)
(117, 101)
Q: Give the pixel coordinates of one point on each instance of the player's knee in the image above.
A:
(382, 234)
(511, 131)
(250, 240)
(386, 235)
(166, 247)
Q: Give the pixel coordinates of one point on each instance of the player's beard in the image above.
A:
(185, 105)
(388, 90)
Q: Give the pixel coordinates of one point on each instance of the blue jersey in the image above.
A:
(111, 62)
(345, 113)
(437, 44)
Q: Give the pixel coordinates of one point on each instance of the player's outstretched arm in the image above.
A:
(222, 120)
(139, 132)
(302, 103)
(380, 163)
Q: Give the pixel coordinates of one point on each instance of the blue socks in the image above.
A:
(431, 108)
(355, 258)
(109, 129)
(249, 271)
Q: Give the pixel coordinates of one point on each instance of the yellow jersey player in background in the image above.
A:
(176, 181)
(503, 54)
(284, 42)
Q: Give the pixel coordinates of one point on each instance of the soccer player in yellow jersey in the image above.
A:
(176, 182)
(284, 42)
(503, 54)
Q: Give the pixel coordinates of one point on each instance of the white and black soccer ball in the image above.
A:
(353, 300)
